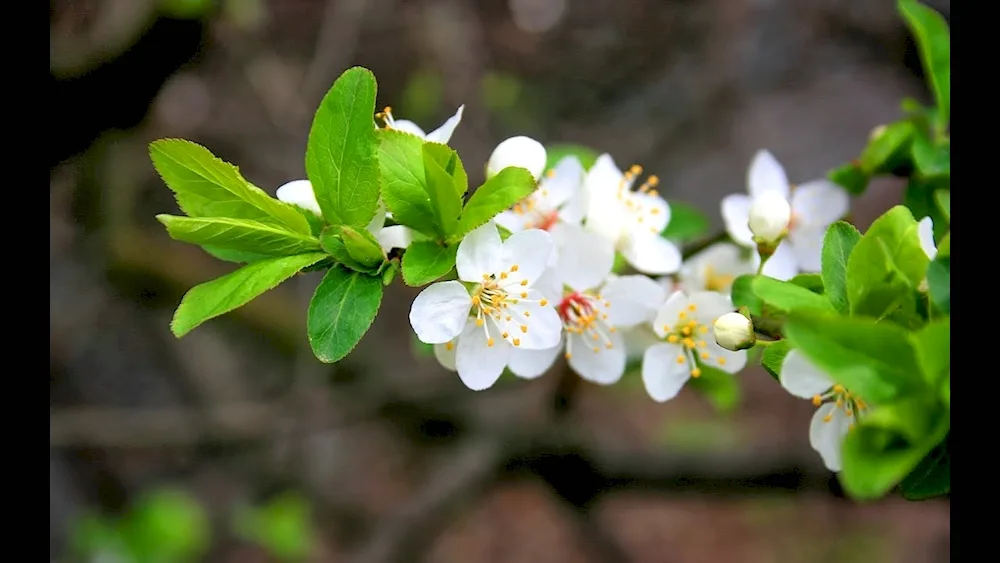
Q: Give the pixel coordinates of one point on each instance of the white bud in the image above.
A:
(521, 151)
(300, 193)
(734, 332)
(769, 216)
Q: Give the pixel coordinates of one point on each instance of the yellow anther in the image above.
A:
(524, 295)
(828, 417)
(672, 339)
(838, 388)
(513, 268)
(596, 349)
(703, 329)
(596, 336)
(475, 300)
(692, 307)
(449, 346)
(479, 322)
(612, 329)
(609, 345)
(568, 355)
(666, 328)
(695, 372)
(489, 342)
(524, 328)
(722, 361)
(607, 304)
(682, 315)
(688, 343)
(686, 330)
(524, 282)
(505, 335)
(705, 355)
(543, 302)
(817, 400)
(503, 275)
(702, 343)
(681, 359)
(517, 342)
(527, 313)
(507, 318)
(654, 211)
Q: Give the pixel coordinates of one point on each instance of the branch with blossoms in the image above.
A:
(561, 252)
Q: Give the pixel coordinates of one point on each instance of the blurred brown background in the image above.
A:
(398, 461)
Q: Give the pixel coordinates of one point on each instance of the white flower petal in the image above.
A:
(605, 366)
(407, 126)
(720, 358)
(709, 306)
(925, 230)
(634, 300)
(440, 311)
(443, 134)
(478, 364)
(801, 378)
(828, 437)
(445, 354)
(766, 174)
(819, 203)
(529, 364)
(669, 311)
(530, 251)
(520, 151)
(718, 264)
(782, 265)
(583, 259)
(564, 183)
(549, 285)
(299, 193)
(479, 253)
(736, 215)
(544, 327)
(605, 212)
(655, 213)
(807, 245)
(394, 236)
(510, 221)
(637, 339)
(662, 374)
(651, 254)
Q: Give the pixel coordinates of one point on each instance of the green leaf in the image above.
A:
(876, 456)
(838, 243)
(507, 187)
(930, 159)
(332, 241)
(774, 356)
(401, 161)
(236, 256)
(873, 360)
(786, 297)
(221, 295)
(282, 527)
(206, 186)
(341, 311)
(944, 247)
(241, 235)
(426, 261)
(933, 346)
(720, 388)
(943, 200)
(687, 223)
(743, 295)
(557, 152)
(167, 525)
(885, 265)
(811, 281)
(939, 283)
(445, 196)
(931, 477)
(933, 38)
(885, 149)
(389, 271)
(362, 246)
(849, 176)
(341, 155)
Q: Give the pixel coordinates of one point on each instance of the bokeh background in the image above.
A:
(386, 456)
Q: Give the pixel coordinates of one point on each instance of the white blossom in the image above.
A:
(925, 230)
(838, 408)
(684, 322)
(715, 268)
(814, 206)
(440, 135)
(496, 314)
(559, 198)
(520, 151)
(770, 214)
(631, 220)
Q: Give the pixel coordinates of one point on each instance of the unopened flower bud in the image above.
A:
(299, 193)
(769, 217)
(734, 332)
(520, 151)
